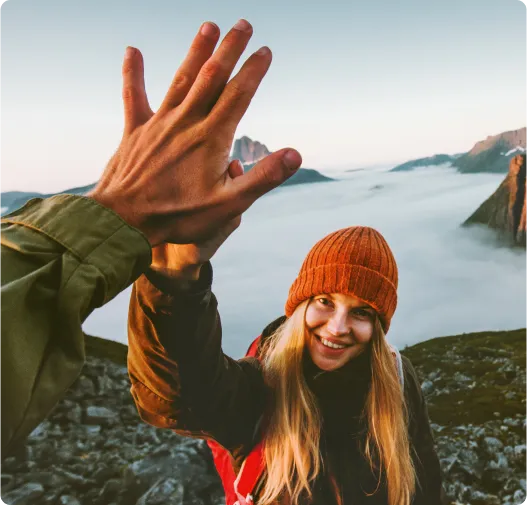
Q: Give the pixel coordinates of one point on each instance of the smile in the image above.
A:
(332, 345)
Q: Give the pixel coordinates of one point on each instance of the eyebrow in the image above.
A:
(364, 306)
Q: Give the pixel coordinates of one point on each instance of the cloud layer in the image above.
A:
(452, 280)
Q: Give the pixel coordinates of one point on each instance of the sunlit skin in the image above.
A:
(342, 320)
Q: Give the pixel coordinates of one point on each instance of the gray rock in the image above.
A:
(110, 490)
(433, 375)
(73, 478)
(100, 415)
(500, 463)
(492, 444)
(40, 432)
(92, 430)
(46, 478)
(487, 499)
(184, 463)
(427, 387)
(10, 464)
(164, 492)
(69, 500)
(74, 413)
(8, 483)
(84, 387)
(24, 495)
(519, 496)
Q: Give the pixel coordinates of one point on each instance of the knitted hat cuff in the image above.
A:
(368, 285)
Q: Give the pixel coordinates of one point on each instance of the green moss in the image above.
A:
(473, 356)
(103, 348)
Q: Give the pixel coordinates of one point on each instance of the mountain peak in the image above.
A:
(249, 151)
(504, 210)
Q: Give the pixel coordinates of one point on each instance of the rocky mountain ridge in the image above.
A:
(249, 151)
(504, 211)
(93, 449)
(491, 155)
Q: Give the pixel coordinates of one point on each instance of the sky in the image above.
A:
(352, 83)
(452, 280)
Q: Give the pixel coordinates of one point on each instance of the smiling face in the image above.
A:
(339, 329)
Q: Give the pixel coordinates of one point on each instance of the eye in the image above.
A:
(324, 302)
(362, 314)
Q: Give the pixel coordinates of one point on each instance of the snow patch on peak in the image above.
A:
(518, 148)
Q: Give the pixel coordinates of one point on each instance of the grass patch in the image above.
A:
(101, 348)
(478, 356)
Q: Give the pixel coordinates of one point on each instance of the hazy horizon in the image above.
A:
(351, 85)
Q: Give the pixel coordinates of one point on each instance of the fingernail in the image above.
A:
(209, 29)
(129, 52)
(292, 160)
(263, 51)
(243, 26)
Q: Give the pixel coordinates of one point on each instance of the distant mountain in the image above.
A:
(250, 152)
(493, 154)
(504, 210)
(438, 159)
(490, 155)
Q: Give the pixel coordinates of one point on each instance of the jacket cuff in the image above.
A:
(92, 233)
(161, 294)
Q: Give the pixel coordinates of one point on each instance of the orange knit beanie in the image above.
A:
(353, 261)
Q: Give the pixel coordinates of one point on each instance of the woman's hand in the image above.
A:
(184, 261)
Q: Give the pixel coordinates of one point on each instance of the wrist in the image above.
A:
(187, 278)
(131, 218)
(179, 273)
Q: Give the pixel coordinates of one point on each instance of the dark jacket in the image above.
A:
(182, 380)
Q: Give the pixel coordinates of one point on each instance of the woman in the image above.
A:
(323, 401)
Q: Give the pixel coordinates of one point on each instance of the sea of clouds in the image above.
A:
(451, 279)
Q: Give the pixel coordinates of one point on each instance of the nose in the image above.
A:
(339, 324)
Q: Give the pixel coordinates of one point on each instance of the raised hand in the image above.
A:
(184, 261)
(170, 175)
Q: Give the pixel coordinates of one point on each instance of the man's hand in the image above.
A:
(170, 175)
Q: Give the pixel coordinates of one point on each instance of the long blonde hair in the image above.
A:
(293, 428)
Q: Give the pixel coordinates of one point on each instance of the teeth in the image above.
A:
(327, 343)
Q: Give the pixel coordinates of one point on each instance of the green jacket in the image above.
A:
(62, 257)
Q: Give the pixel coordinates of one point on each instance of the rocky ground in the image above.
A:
(475, 390)
(94, 449)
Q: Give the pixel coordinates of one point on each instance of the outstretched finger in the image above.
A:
(137, 111)
(266, 175)
(237, 95)
(200, 51)
(215, 73)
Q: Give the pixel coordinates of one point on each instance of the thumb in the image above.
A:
(266, 175)
(137, 111)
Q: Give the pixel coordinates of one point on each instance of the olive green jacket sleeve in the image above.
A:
(62, 257)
